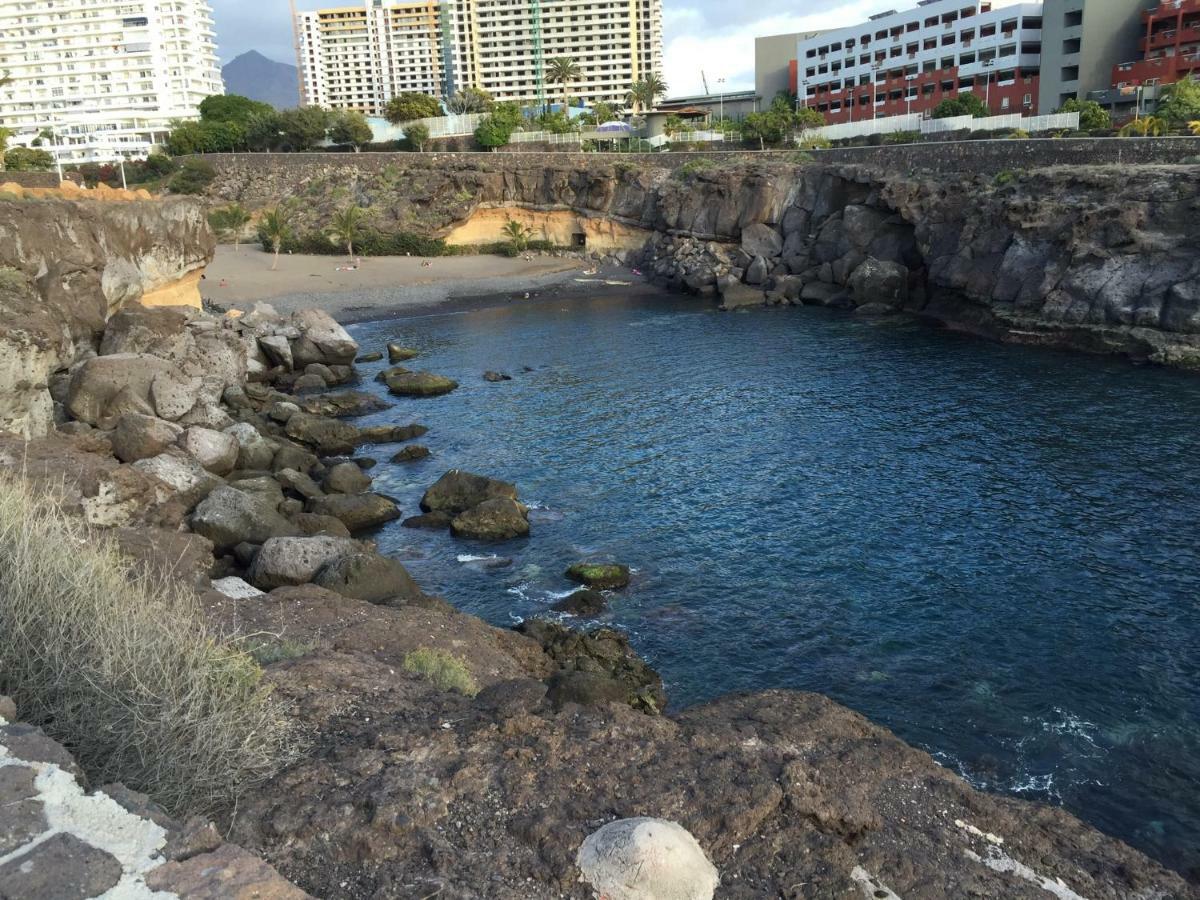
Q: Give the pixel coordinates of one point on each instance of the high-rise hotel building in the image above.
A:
(358, 57)
(106, 77)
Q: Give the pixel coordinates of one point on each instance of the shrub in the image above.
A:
(1003, 178)
(694, 167)
(813, 142)
(122, 669)
(416, 136)
(1018, 134)
(411, 105)
(369, 242)
(1092, 115)
(26, 159)
(448, 673)
(902, 137)
(192, 178)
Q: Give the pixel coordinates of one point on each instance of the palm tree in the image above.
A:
(346, 227)
(1147, 126)
(275, 228)
(1194, 126)
(5, 77)
(518, 235)
(645, 92)
(564, 70)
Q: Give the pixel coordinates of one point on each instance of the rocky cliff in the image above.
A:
(1092, 258)
(66, 267)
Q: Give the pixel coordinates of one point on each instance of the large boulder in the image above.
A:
(322, 339)
(174, 394)
(158, 330)
(346, 478)
(761, 240)
(497, 519)
(255, 452)
(215, 450)
(397, 352)
(296, 560)
(330, 437)
(185, 477)
(369, 576)
(735, 295)
(879, 282)
(357, 512)
(646, 859)
(583, 602)
(104, 386)
(229, 516)
(139, 436)
(419, 384)
(757, 271)
(342, 403)
(457, 491)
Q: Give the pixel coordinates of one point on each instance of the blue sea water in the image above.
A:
(991, 550)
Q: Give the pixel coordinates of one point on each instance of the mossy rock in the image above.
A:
(419, 384)
(399, 353)
(600, 576)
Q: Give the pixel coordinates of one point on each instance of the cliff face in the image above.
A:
(1093, 258)
(65, 267)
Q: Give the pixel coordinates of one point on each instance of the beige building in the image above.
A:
(359, 57)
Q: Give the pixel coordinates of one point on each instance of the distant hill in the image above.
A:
(253, 75)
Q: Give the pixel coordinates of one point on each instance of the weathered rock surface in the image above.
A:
(295, 560)
(599, 575)
(419, 384)
(229, 516)
(357, 512)
(371, 577)
(457, 491)
(646, 859)
(497, 519)
(138, 436)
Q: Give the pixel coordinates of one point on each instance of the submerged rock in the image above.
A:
(435, 521)
(399, 353)
(373, 356)
(411, 453)
(419, 384)
(496, 376)
(390, 434)
(601, 576)
(497, 519)
(584, 602)
(342, 403)
(457, 491)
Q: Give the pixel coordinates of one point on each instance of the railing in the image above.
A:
(914, 122)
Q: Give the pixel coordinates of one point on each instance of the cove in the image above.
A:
(991, 550)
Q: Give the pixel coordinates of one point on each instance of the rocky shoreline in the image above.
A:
(221, 451)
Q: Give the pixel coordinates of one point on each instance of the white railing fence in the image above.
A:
(914, 122)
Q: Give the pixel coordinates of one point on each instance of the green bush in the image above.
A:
(121, 667)
(694, 167)
(1003, 178)
(448, 673)
(192, 178)
(902, 137)
(813, 142)
(369, 243)
(25, 159)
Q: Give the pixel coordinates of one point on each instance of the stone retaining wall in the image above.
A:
(949, 156)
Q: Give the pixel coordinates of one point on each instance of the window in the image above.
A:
(1073, 18)
(1071, 45)
(1070, 73)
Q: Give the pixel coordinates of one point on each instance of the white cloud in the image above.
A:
(728, 52)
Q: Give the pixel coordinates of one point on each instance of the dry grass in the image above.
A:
(122, 669)
(447, 672)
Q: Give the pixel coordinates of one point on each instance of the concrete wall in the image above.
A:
(1107, 35)
(30, 179)
(772, 54)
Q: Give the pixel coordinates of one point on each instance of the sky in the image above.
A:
(714, 35)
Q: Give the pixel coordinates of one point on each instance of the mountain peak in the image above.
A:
(260, 78)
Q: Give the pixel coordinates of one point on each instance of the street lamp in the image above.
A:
(987, 90)
(721, 114)
(875, 67)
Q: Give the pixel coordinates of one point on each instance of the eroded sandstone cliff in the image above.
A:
(1093, 258)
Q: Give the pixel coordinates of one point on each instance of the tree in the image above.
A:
(408, 106)
(1092, 116)
(187, 138)
(673, 124)
(644, 93)
(230, 220)
(192, 178)
(28, 159)
(470, 100)
(274, 228)
(1146, 126)
(346, 227)
(492, 133)
(770, 127)
(1194, 126)
(807, 117)
(1180, 102)
(303, 128)
(962, 105)
(4, 135)
(417, 136)
(232, 108)
(265, 132)
(518, 235)
(350, 127)
(564, 70)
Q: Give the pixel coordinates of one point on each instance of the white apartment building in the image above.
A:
(901, 62)
(105, 76)
(359, 57)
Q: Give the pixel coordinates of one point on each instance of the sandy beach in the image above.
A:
(379, 285)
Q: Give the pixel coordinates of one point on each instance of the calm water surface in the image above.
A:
(991, 550)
